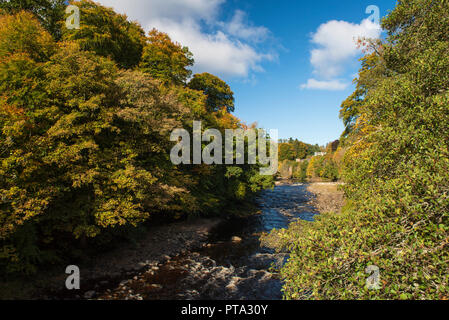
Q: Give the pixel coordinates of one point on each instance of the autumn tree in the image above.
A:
(84, 146)
(372, 69)
(332, 146)
(166, 60)
(21, 34)
(286, 152)
(219, 94)
(49, 12)
(108, 34)
(293, 149)
(85, 140)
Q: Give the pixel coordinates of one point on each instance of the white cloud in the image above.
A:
(214, 52)
(336, 41)
(226, 51)
(333, 85)
(243, 30)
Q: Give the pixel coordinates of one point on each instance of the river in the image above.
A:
(233, 265)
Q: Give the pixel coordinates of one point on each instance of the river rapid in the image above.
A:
(233, 265)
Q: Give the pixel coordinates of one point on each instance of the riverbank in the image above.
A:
(233, 265)
(230, 265)
(160, 244)
(328, 197)
(325, 196)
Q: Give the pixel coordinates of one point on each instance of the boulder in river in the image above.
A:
(236, 239)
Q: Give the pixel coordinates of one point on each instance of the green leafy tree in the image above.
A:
(219, 94)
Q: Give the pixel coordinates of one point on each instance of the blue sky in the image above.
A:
(275, 99)
(289, 63)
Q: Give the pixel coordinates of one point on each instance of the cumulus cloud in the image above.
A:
(242, 29)
(214, 52)
(333, 85)
(335, 43)
(227, 50)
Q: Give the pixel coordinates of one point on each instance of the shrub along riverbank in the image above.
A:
(396, 169)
